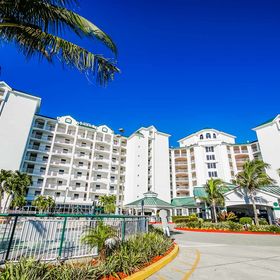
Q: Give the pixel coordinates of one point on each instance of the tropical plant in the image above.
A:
(251, 178)
(97, 237)
(13, 185)
(214, 195)
(108, 203)
(246, 221)
(227, 216)
(36, 28)
(43, 202)
(18, 201)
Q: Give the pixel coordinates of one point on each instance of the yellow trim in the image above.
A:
(193, 268)
(153, 268)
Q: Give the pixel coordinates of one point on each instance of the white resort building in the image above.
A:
(76, 162)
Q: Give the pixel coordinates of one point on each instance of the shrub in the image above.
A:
(227, 216)
(265, 228)
(245, 221)
(263, 221)
(184, 219)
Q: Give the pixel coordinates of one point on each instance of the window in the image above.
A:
(96, 197)
(63, 160)
(45, 158)
(42, 169)
(84, 144)
(78, 184)
(113, 168)
(97, 187)
(76, 195)
(47, 148)
(57, 194)
(82, 154)
(210, 157)
(81, 163)
(214, 135)
(211, 165)
(61, 171)
(99, 166)
(79, 174)
(37, 193)
(179, 212)
(208, 135)
(98, 176)
(40, 181)
(201, 136)
(67, 141)
(50, 137)
(112, 188)
(115, 150)
(113, 178)
(59, 183)
(209, 149)
(65, 151)
(100, 157)
(212, 174)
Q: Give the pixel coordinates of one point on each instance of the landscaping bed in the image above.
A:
(128, 257)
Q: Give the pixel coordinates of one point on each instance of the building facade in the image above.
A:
(76, 162)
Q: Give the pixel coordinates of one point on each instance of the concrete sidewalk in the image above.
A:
(223, 256)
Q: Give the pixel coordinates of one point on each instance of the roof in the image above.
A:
(183, 201)
(266, 122)
(271, 189)
(200, 191)
(206, 129)
(150, 200)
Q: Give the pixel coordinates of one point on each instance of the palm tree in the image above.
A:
(5, 176)
(251, 178)
(214, 197)
(97, 237)
(36, 28)
(43, 202)
(109, 203)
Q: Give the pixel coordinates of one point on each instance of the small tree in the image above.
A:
(251, 178)
(43, 202)
(108, 202)
(97, 237)
(214, 196)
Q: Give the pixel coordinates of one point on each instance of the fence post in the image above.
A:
(11, 238)
(62, 238)
(123, 229)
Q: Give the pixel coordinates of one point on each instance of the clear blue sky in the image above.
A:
(186, 65)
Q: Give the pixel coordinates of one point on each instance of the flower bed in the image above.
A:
(227, 227)
(131, 256)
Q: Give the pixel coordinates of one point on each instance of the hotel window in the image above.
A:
(37, 193)
(84, 144)
(211, 165)
(45, 158)
(99, 166)
(212, 174)
(115, 150)
(209, 149)
(113, 168)
(42, 169)
(210, 157)
(208, 135)
(40, 181)
(79, 174)
(112, 188)
(61, 171)
(82, 154)
(112, 178)
(63, 160)
(59, 183)
(81, 163)
(47, 148)
(97, 187)
(57, 194)
(214, 135)
(201, 136)
(96, 197)
(67, 141)
(50, 138)
(98, 176)
(76, 195)
(78, 184)
(65, 151)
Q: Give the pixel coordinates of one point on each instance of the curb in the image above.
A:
(227, 231)
(153, 268)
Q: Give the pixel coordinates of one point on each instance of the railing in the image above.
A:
(57, 236)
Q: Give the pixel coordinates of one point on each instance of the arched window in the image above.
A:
(201, 136)
(214, 135)
(208, 135)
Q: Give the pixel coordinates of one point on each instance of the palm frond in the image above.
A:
(51, 16)
(33, 41)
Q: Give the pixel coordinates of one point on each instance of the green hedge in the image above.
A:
(245, 220)
(265, 228)
(229, 225)
(184, 219)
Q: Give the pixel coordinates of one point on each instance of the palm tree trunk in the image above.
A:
(255, 210)
(214, 212)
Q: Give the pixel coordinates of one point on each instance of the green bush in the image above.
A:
(130, 256)
(229, 225)
(263, 221)
(245, 220)
(265, 228)
(184, 219)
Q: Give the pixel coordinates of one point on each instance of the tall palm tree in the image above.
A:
(251, 178)
(36, 26)
(214, 197)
